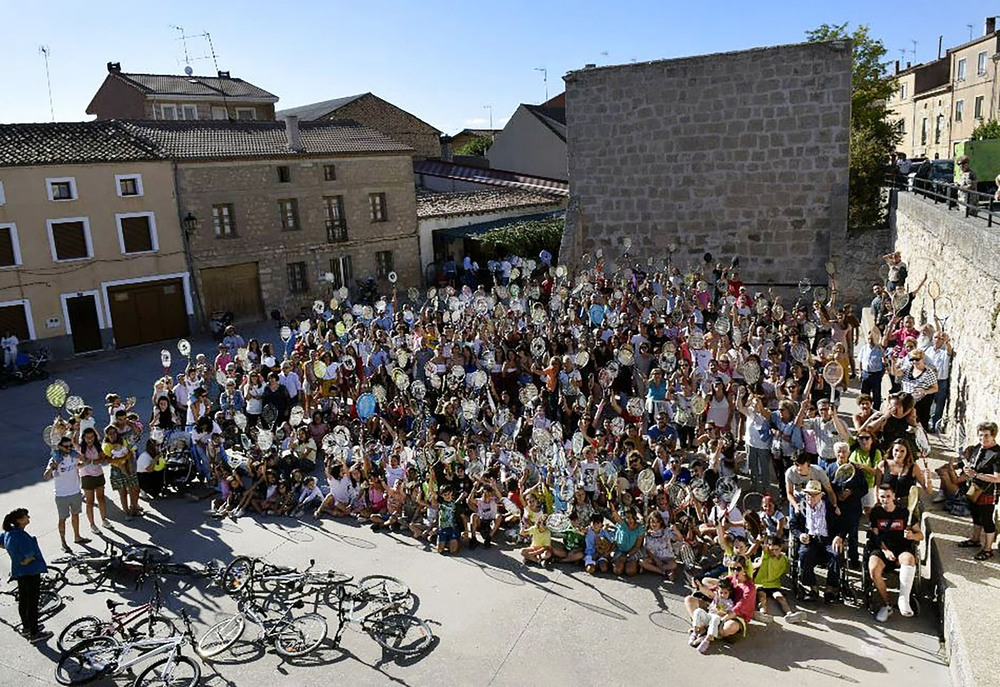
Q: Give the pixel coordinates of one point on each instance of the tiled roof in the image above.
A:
(220, 139)
(491, 177)
(171, 84)
(478, 132)
(308, 113)
(70, 143)
(552, 117)
(430, 204)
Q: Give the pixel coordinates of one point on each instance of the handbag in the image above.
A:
(974, 493)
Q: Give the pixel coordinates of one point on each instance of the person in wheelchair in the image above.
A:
(818, 539)
(891, 541)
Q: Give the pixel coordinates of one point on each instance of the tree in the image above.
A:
(477, 146)
(525, 239)
(873, 136)
(986, 131)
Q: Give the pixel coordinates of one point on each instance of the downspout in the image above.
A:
(199, 310)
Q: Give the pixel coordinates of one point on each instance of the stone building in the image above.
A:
(91, 250)
(739, 154)
(370, 110)
(533, 141)
(288, 213)
(179, 96)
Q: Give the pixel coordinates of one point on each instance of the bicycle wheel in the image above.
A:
(300, 635)
(54, 577)
(237, 574)
(157, 627)
(331, 578)
(80, 629)
(49, 603)
(176, 671)
(382, 588)
(221, 636)
(402, 634)
(275, 577)
(87, 661)
(82, 573)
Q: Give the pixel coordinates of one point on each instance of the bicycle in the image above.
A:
(291, 636)
(144, 620)
(389, 624)
(95, 568)
(243, 569)
(106, 656)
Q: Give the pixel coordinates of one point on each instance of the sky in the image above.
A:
(453, 64)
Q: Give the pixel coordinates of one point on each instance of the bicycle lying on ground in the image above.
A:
(141, 621)
(138, 560)
(50, 601)
(244, 571)
(379, 606)
(106, 656)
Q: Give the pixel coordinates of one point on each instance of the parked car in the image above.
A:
(930, 174)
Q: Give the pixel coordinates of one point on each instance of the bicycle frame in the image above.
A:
(147, 649)
(121, 620)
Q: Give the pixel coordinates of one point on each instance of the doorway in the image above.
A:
(84, 323)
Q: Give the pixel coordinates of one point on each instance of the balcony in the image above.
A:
(336, 231)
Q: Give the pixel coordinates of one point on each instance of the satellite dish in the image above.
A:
(188, 70)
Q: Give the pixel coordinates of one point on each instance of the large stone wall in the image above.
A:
(962, 255)
(740, 153)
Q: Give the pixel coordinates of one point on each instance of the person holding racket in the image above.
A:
(851, 487)
(891, 536)
(982, 471)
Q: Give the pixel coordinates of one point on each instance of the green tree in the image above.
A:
(477, 146)
(873, 136)
(525, 239)
(986, 131)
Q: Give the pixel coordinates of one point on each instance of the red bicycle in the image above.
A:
(132, 623)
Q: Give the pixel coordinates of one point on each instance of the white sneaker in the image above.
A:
(762, 617)
(904, 607)
(793, 617)
(883, 614)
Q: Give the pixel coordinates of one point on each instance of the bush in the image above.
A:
(525, 239)
(477, 146)
(986, 131)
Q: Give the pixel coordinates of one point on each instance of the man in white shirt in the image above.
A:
(64, 469)
(938, 356)
(9, 344)
(290, 379)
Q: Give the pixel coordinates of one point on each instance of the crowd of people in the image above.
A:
(609, 419)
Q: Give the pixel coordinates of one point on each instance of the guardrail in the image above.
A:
(973, 203)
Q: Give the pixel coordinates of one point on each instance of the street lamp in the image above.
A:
(190, 223)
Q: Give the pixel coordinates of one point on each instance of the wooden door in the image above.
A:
(84, 323)
(150, 311)
(233, 288)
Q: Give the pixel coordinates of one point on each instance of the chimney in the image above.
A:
(292, 133)
(897, 67)
(590, 65)
(224, 75)
(114, 67)
(991, 25)
(940, 44)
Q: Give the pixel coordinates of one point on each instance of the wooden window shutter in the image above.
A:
(6, 248)
(136, 234)
(70, 240)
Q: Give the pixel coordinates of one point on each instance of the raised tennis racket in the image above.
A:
(752, 502)
(844, 474)
(912, 504)
(558, 523)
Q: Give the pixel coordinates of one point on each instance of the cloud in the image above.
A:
(477, 123)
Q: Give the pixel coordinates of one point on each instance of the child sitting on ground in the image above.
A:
(540, 550)
(768, 571)
(705, 624)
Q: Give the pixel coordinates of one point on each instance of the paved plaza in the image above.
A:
(495, 620)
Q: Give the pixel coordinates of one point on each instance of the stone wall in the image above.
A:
(962, 255)
(252, 187)
(740, 153)
(396, 123)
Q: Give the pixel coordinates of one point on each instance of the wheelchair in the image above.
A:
(844, 588)
(869, 594)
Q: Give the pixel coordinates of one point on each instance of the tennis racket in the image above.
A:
(844, 474)
(752, 502)
(269, 415)
(675, 494)
(686, 554)
(912, 504)
(558, 523)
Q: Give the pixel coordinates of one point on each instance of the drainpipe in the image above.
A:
(199, 310)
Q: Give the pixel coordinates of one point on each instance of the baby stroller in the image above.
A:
(180, 465)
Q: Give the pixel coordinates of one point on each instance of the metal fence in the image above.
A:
(973, 203)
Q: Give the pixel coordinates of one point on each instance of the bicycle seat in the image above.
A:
(112, 605)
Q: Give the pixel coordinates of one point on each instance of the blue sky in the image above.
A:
(442, 61)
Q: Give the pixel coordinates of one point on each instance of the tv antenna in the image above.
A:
(914, 51)
(44, 51)
(545, 80)
(490, 108)
(188, 69)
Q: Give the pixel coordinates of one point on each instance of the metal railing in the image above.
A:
(336, 230)
(974, 203)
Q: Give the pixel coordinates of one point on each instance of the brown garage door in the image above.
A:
(233, 288)
(150, 311)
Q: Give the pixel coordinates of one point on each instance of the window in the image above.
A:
(3, 199)
(938, 127)
(343, 274)
(383, 263)
(246, 114)
(15, 316)
(128, 185)
(336, 221)
(981, 63)
(902, 91)
(923, 132)
(901, 126)
(69, 239)
(329, 173)
(168, 112)
(377, 202)
(224, 220)
(219, 113)
(10, 251)
(960, 72)
(190, 112)
(284, 174)
(978, 106)
(959, 110)
(61, 189)
(137, 232)
(297, 277)
(288, 209)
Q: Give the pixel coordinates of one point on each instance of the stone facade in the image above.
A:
(742, 153)
(396, 123)
(253, 189)
(961, 254)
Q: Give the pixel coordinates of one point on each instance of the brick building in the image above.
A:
(179, 96)
(288, 213)
(741, 153)
(378, 114)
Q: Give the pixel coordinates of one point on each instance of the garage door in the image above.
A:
(233, 288)
(150, 311)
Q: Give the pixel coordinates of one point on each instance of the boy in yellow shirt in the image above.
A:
(768, 571)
